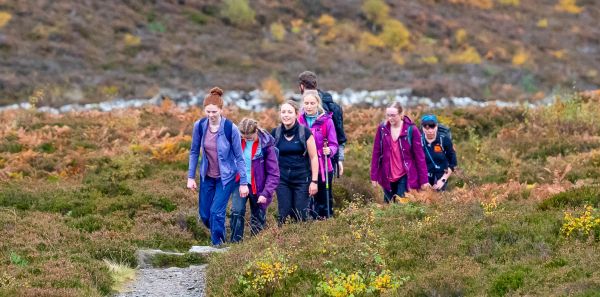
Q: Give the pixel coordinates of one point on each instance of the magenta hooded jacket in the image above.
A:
(413, 156)
(322, 129)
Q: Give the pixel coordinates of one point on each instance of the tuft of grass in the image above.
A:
(573, 198)
(165, 260)
(509, 281)
(120, 273)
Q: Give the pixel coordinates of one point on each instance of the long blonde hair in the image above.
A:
(315, 94)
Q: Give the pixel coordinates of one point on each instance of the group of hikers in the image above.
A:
(299, 158)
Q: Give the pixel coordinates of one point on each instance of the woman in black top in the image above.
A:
(439, 153)
(298, 165)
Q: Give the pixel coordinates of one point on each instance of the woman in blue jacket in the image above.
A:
(222, 159)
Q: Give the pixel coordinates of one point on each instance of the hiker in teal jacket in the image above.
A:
(222, 159)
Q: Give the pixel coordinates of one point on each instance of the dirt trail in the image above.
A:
(175, 282)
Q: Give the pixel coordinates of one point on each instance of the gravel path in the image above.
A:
(175, 282)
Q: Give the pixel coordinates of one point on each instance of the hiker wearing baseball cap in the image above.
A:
(439, 151)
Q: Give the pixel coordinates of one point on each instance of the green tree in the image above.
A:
(238, 12)
(395, 35)
(377, 11)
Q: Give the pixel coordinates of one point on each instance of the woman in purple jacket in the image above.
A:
(262, 172)
(398, 162)
(321, 125)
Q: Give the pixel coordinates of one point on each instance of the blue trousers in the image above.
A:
(399, 188)
(213, 199)
(238, 215)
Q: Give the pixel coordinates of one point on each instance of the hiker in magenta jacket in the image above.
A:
(398, 163)
(321, 125)
(262, 172)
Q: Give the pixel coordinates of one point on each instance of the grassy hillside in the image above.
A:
(76, 51)
(80, 188)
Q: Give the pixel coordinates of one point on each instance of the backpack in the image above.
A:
(228, 129)
(444, 130)
(264, 149)
(337, 115)
(301, 136)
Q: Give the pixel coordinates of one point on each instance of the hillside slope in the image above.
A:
(83, 51)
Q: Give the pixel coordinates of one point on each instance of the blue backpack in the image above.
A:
(228, 129)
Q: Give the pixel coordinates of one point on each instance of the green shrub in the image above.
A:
(197, 17)
(573, 198)
(164, 260)
(395, 35)
(238, 12)
(376, 11)
(89, 223)
(509, 281)
(46, 147)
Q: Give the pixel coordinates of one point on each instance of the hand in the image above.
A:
(326, 151)
(191, 184)
(262, 199)
(440, 184)
(341, 168)
(312, 189)
(374, 183)
(244, 191)
(425, 186)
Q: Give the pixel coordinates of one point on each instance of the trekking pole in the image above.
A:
(326, 157)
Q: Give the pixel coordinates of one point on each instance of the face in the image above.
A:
(213, 113)
(310, 105)
(250, 137)
(393, 116)
(287, 114)
(430, 130)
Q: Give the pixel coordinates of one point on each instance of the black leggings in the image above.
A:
(292, 200)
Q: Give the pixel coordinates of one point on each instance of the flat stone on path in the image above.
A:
(203, 250)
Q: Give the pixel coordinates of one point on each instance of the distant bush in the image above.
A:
(368, 41)
(326, 20)
(395, 35)
(278, 31)
(469, 55)
(376, 11)
(4, 18)
(569, 6)
(238, 12)
(131, 40)
(273, 91)
(520, 58)
(510, 2)
(482, 4)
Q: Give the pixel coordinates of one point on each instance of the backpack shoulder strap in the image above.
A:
(277, 134)
(200, 130)
(409, 135)
(302, 137)
(228, 130)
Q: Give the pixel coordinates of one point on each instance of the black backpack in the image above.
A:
(337, 115)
